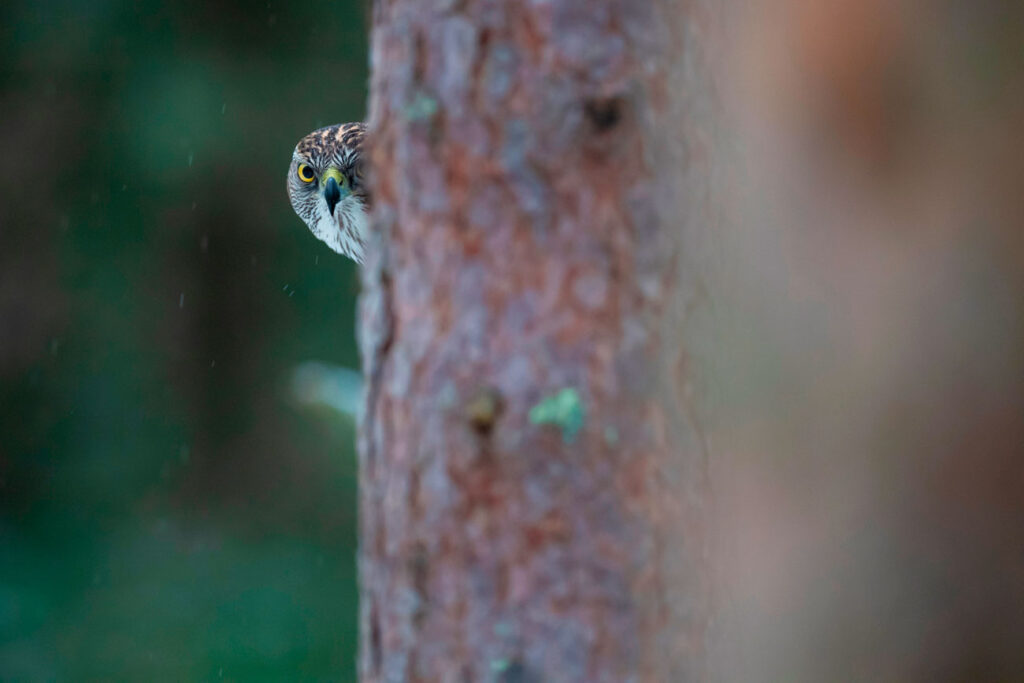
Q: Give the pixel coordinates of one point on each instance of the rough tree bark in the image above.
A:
(533, 481)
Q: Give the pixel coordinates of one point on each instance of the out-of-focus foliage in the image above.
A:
(171, 508)
(868, 457)
(167, 510)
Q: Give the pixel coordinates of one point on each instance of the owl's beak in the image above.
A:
(332, 193)
(332, 188)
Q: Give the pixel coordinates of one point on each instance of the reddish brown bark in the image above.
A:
(527, 179)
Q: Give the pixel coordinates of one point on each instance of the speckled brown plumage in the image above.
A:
(326, 141)
(338, 216)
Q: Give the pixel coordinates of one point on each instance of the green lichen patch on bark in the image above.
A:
(564, 409)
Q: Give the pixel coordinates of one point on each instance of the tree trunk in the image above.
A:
(533, 479)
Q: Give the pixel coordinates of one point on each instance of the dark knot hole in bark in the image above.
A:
(483, 410)
(516, 672)
(604, 113)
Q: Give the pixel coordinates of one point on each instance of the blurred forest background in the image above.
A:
(167, 511)
(868, 335)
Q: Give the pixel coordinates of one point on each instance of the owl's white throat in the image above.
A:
(346, 230)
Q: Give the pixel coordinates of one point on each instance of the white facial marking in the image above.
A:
(327, 228)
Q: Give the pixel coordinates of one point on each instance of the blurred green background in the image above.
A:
(167, 510)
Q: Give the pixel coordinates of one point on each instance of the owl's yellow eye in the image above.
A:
(306, 174)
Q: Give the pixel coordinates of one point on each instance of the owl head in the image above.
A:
(325, 186)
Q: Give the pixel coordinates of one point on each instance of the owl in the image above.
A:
(325, 186)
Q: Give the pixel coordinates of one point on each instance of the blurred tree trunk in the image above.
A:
(533, 478)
